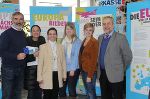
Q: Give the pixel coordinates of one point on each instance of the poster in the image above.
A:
(47, 17)
(6, 11)
(140, 70)
(109, 2)
(120, 13)
(138, 33)
(93, 15)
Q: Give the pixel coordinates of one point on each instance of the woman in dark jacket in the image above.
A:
(30, 81)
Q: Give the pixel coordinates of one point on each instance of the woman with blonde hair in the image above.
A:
(71, 45)
(88, 60)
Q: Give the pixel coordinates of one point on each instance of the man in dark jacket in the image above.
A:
(12, 43)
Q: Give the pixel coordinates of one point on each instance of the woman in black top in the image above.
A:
(30, 81)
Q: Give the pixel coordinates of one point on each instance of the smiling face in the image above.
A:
(88, 29)
(88, 32)
(69, 31)
(18, 21)
(108, 25)
(52, 35)
(35, 31)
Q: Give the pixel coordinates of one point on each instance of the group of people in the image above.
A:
(55, 67)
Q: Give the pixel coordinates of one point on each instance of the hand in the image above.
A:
(40, 81)
(21, 56)
(41, 84)
(71, 73)
(64, 79)
(36, 54)
(88, 79)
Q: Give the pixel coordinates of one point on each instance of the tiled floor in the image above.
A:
(24, 96)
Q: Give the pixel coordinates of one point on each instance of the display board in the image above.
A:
(47, 17)
(138, 27)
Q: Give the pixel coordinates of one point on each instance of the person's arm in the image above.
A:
(93, 60)
(64, 72)
(4, 47)
(126, 51)
(40, 64)
(75, 58)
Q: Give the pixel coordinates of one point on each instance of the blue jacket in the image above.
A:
(74, 63)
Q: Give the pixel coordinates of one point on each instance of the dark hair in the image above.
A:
(17, 13)
(36, 26)
(52, 28)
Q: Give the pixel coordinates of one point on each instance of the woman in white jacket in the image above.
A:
(52, 66)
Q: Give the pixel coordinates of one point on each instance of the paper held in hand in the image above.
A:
(30, 50)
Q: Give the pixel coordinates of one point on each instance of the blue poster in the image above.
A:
(138, 27)
(47, 17)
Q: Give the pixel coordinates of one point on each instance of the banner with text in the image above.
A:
(95, 16)
(6, 11)
(47, 17)
(138, 27)
(120, 13)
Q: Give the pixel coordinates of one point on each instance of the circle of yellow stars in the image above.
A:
(142, 67)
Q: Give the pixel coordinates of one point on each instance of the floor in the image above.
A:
(24, 96)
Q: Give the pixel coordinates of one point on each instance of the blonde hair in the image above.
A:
(87, 25)
(72, 26)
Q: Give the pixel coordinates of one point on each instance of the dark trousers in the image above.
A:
(12, 82)
(34, 94)
(110, 90)
(71, 82)
(52, 93)
(89, 86)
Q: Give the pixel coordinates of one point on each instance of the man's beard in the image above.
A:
(18, 26)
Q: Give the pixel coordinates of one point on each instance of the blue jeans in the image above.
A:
(89, 86)
(12, 82)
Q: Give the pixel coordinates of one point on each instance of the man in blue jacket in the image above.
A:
(12, 43)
